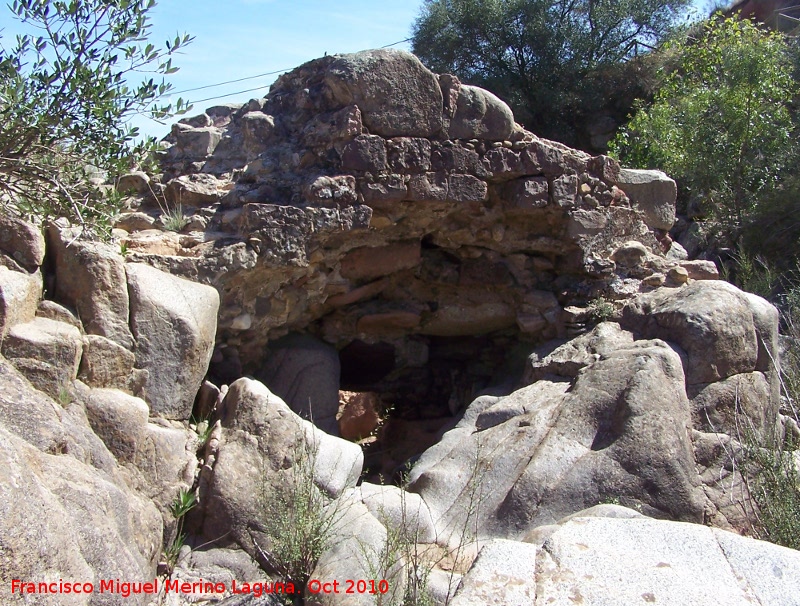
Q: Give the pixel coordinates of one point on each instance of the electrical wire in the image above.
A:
(190, 90)
(249, 90)
(241, 92)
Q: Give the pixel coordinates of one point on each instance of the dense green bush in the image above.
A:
(721, 123)
(65, 101)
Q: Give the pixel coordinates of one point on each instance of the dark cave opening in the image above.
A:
(421, 385)
(363, 364)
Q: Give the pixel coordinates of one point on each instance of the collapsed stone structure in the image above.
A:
(373, 227)
(401, 217)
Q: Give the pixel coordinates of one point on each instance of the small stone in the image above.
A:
(655, 280)
(498, 232)
(679, 275)
(380, 222)
(630, 254)
(590, 202)
(242, 322)
(701, 270)
(137, 181)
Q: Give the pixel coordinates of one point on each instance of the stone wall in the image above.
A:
(381, 207)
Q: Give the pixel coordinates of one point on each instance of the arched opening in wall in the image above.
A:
(409, 390)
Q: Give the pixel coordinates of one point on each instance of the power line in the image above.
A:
(241, 92)
(396, 43)
(190, 90)
(278, 71)
(250, 90)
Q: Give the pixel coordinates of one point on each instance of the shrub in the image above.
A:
(769, 459)
(183, 504)
(65, 100)
(299, 522)
(721, 123)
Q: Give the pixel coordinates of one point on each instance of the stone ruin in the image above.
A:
(400, 217)
(374, 236)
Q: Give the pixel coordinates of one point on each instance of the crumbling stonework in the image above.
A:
(377, 246)
(380, 207)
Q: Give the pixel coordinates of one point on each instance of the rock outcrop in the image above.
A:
(613, 560)
(380, 252)
(606, 417)
(396, 215)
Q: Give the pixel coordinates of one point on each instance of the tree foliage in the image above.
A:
(721, 124)
(557, 62)
(65, 102)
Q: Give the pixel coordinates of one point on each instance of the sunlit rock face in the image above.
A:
(398, 215)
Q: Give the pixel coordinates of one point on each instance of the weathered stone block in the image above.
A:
(457, 159)
(428, 187)
(136, 182)
(653, 192)
(19, 297)
(90, 277)
(257, 128)
(174, 322)
(304, 372)
(701, 270)
(365, 153)
(409, 155)
(503, 163)
(369, 263)
(480, 115)
(391, 188)
(369, 80)
(462, 320)
(120, 420)
(22, 241)
(326, 129)
(106, 364)
(528, 193)
(193, 190)
(332, 191)
(466, 188)
(605, 168)
(198, 142)
(565, 191)
(46, 352)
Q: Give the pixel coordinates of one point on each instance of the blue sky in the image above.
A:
(242, 38)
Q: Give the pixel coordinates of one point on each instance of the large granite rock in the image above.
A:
(73, 524)
(606, 416)
(480, 115)
(619, 430)
(46, 352)
(107, 364)
(609, 561)
(120, 420)
(397, 95)
(19, 296)
(90, 277)
(265, 453)
(174, 322)
(722, 330)
(304, 373)
(22, 241)
(653, 192)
